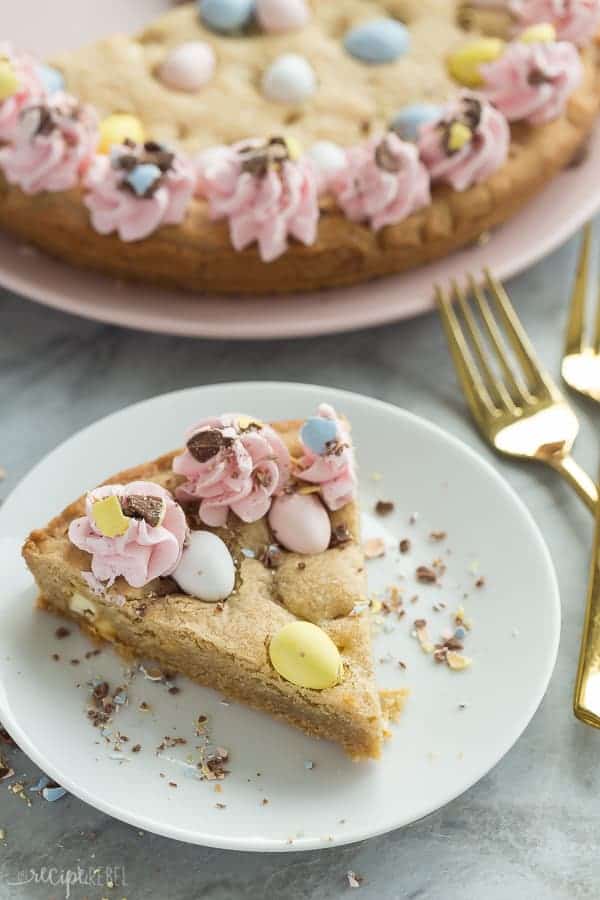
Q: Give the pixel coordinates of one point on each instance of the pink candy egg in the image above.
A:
(300, 523)
(282, 15)
(188, 67)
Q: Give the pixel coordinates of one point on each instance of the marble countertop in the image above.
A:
(529, 829)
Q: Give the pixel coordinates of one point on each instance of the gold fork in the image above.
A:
(581, 360)
(581, 371)
(522, 413)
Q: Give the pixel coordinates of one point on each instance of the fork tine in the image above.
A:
(519, 340)
(474, 389)
(495, 386)
(574, 340)
(518, 391)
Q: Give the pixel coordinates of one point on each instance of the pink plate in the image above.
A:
(547, 221)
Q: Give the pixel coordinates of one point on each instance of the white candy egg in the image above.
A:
(188, 67)
(300, 523)
(328, 157)
(289, 79)
(206, 569)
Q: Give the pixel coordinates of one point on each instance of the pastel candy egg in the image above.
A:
(465, 63)
(544, 33)
(9, 83)
(282, 15)
(289, 79)
(305, 655)
(317, 432)
(109, 518)
(378, 41)
(328, 157)
(206, 569)
(51, 78)
(458, 136)
(188, 67)
(300, 523)
(142, 177)
(226, 15)
(407, 121)
(118, 128)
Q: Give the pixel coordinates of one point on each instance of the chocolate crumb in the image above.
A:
(91, 653)
(437, 535)
(271, 556)
(426, 575)
(174, 690)
(384, 507)
(340, 535)
(55, 657)
(101, 690)
(136, 748)
(404, 545)
(301, 565)
(264, 802)
(205, 444)
(480, 582)
(61, 632)
(173, 784)
(74, 662)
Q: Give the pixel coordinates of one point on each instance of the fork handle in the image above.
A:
(586, 699)
(579, 479)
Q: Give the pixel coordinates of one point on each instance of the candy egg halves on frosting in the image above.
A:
(206, 569)
(300, 523)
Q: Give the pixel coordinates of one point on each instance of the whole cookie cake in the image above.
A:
(272, 146)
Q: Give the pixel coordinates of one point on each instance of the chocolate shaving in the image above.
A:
(404, 545)
(537, 77)
(384, 507)
(426, 575)
(385, 159)
(205, 444)
(259, 159)
(150, 509)
(271, 556)
(340, 535)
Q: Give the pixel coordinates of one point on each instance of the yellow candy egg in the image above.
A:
(9, 83)
(465, 62)
(118, 128)
(294, 148)
(108, 517)
(305, 655)
(544, 33)
(459, 135)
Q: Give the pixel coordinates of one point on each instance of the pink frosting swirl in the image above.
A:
(382, 182)
(575, 20)
(482, 155)
(231, 462)
(533, 81)
(114, 204)
(144, 552)
(53, 145)
(265, 195)
(30, 89)
(335, 469)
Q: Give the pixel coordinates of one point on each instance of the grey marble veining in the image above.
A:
(530, 829)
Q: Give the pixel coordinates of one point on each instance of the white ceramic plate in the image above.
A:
(545, 222)
(437, 751)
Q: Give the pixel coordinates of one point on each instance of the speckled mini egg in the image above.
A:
(378, 41)
(188, 67)
(278, 16)
(304, 654)
(226, 15)
(317, 432)
(206, 569)
(328, 158)
(408, 120)
(289, 79)
(51, 78)
(300, 523)
(142, 177)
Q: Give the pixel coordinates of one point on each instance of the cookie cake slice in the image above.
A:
(235, 561)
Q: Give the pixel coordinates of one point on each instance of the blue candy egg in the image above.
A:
(317, 432)
(378, 41)
(51, 78)
(143, 177)
(226, 15)
(408, 121)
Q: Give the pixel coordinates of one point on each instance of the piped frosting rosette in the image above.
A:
(574, 20)
(136, 531)
(53, 145)
(232, 462)
(533, 81)
(265, 191)
(467, 144)
(137, 189)
(383, 182)
(22, 87)
(328, 458)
